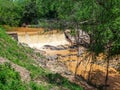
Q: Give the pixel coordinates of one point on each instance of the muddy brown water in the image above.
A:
(37, 38)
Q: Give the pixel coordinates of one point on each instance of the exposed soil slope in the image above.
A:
(25, 74)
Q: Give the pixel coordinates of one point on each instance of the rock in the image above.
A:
(40, 51)
(59, 47)
(24, 44)
(42, 62)
(56, 67)
(73, 47)
(49, 47)
(68, 73)
(52, 57)
(53, 48)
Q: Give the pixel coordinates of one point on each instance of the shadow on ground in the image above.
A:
(61, 81)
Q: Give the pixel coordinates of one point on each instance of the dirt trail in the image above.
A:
(24, 74)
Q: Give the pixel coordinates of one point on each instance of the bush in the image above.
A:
(10, 79)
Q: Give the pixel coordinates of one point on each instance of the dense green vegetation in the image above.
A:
(10, 79)
(24, 56)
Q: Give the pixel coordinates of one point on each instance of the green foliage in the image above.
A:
(99, 18)
(29, 14)
(105, 29)
(72, 32)
(10, 79)
(35, 86)
(10, 12)
(57, 79)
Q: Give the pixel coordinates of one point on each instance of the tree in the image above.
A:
(10, 12)
(30, 14)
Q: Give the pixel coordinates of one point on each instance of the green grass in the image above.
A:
(23, 56)
(10, 79)
(59, 80)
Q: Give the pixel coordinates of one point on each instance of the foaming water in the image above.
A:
(39, 40)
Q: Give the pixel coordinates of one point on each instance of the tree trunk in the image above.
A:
(107, 70)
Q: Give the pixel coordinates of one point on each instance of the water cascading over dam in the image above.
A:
(39, 40)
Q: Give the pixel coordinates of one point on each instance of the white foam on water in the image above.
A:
(38, 41)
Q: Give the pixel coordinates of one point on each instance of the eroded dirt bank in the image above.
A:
(93, 73)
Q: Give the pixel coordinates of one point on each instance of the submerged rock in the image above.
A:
(52, 57)
(59, 47)
(39, 51)
(23, 44)
(49, 47)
